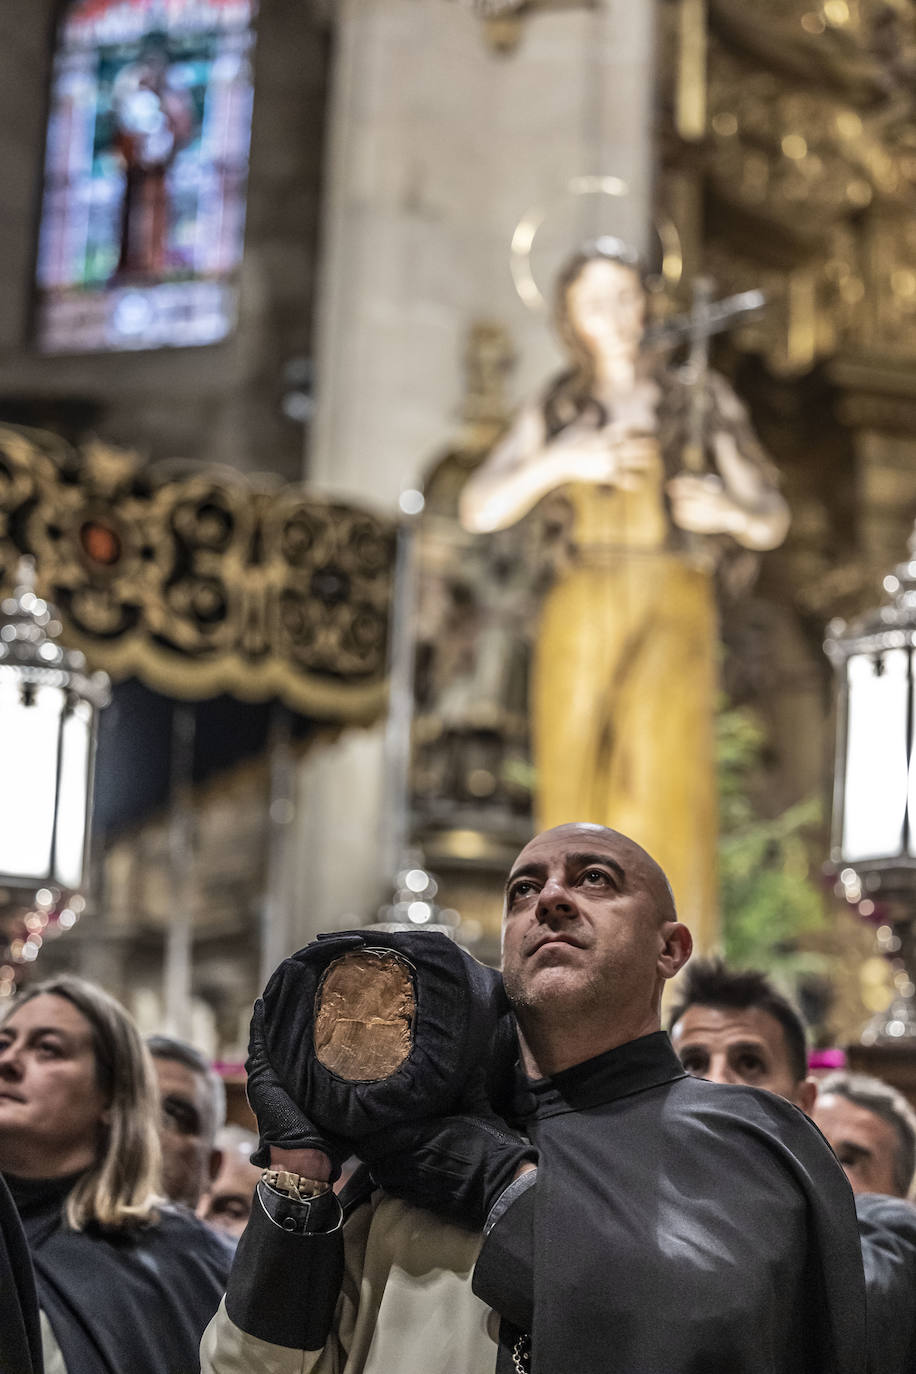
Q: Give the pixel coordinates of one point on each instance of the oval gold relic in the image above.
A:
(364, 1014)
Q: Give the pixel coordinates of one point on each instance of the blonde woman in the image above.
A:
(125, 1281)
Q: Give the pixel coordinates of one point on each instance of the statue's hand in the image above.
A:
(740, 502)
(602, 457)
(701, 505)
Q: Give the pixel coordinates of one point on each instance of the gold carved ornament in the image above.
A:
(202, 582)
(802, 178)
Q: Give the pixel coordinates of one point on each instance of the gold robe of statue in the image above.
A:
(625, 673)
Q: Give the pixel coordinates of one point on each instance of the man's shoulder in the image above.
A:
(767, 1136)
(889, 1213)
(701, 1094)
(735, 1108)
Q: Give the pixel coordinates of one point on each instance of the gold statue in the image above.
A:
(625, 663)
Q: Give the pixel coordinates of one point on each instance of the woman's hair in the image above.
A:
(572, 394)
(118, 1191)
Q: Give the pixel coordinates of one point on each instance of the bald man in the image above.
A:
(671, 1226)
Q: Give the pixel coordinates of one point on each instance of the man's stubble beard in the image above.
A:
(543, 1000)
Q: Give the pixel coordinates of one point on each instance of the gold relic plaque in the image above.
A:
(364, 1016)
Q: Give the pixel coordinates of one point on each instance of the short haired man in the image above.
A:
(193, 1110)
(872, 1129)
(733, 1026)
(669, 1226)
(226, 1205)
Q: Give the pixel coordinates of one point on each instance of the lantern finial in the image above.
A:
(25, 575)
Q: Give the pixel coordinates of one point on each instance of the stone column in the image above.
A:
(437, 146)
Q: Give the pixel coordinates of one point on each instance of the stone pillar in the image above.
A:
(438, 145)
(337, 877)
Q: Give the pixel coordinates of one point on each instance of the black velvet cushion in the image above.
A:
(461, 1024)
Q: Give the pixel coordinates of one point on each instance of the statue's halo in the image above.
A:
(668, 254)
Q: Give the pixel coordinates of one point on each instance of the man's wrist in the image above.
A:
(295, 1185)
(298, 1214)
(313, 1164)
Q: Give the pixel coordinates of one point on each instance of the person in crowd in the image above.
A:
(193, 1101)
(124, 1280)
(733, 1026)
(668, 1225)
(872, 1129)
(226, 1205)
(20, 1324)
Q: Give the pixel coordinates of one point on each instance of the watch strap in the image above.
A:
(295, 1186)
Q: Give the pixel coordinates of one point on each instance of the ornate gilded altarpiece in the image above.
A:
(787, 153)
(199, 581)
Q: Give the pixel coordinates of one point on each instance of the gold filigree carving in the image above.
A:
(807, 171)
(202, 582)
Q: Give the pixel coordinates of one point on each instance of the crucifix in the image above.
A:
(706, 318)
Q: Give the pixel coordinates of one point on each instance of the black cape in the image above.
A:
(20, 1333)
(676, 1227)
(887, 1226)
(136, 1302)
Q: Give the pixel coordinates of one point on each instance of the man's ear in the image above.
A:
(805, 1095)
(677, 948)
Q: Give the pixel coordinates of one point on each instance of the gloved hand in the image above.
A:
(280, 1121)
(455, 1166)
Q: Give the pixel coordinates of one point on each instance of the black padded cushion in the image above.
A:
(462, 1027)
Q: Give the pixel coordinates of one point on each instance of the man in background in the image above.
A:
(733, 1026)
(226, 1205)
(193, 1111)
(872, 1129)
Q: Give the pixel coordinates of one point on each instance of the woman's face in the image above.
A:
(607, 307)
(50, 1103)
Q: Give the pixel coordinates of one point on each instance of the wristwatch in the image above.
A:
(295, 1186)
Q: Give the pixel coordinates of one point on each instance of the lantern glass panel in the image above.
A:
(877, 734)
(29, 739)
(70, 836)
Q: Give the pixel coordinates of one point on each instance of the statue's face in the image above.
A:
(607, 307)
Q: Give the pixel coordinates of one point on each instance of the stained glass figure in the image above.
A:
(145, 174)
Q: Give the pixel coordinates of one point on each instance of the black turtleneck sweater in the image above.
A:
(676, 1227)
(122, 1302)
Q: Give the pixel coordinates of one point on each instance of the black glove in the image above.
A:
(276, 1044)
(455, 1166)
(280, 1121)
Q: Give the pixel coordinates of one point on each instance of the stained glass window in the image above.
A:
(145, 174)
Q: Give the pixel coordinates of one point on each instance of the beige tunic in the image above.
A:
(405, 1307)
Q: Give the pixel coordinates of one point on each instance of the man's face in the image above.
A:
(747, 1045)
(227, 1206)
(865, 1145)
(188, 1157)
(584, 920)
